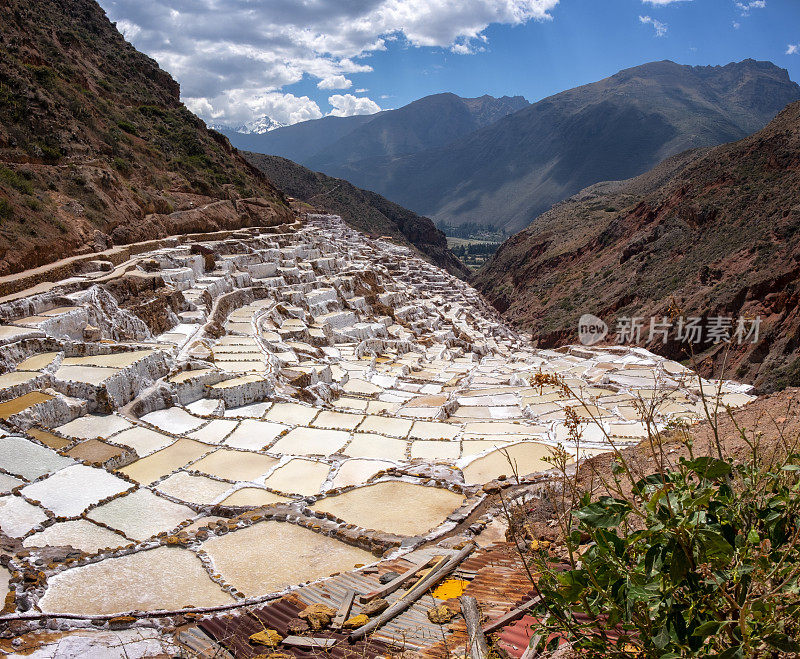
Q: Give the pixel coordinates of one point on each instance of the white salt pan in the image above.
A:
(70, 491)
(215, 431)
(298, 476)
(141, 514)
(17, 516)
(194, 489)
(80, 534)
(162, 578)
(143, 440)
(254, 435)
(235, 465)
(90, 425)
(310, 441)
(357, 472)
(269, 556)
(173, 420)
(29, 460)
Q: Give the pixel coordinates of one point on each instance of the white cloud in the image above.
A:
(256, 47)
(361, 91)
(347, 105)
(239, 106)
(335, 82)
(736, 25)
(793, 49)
(128, 29)
(746, 6)
(658, 26)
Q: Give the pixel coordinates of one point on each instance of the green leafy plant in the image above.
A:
(698, 560)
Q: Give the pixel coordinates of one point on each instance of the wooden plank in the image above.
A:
(433, 577)
(395, 583)
(309, 642)
(438, 564)
(478, 648)
(511, 616)
(343, 613)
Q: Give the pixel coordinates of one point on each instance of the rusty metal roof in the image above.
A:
(233, 633)
(498, 580)
(410, 630)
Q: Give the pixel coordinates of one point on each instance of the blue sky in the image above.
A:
(238, 60)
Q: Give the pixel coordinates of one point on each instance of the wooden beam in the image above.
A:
(343, 613)
(309, 642)
(439, 563)
(511, 616)
(478, 648)
(433, 577)
(394, 584)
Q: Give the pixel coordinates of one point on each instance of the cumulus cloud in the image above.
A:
(238, 107)
(793, 49)
(746, 6)
(335, 82)
(347, 105)
(251, 48)
(658, 26)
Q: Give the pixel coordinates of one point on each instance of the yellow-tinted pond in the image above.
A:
(393, 506)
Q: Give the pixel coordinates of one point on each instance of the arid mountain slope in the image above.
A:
(96, 147)
(711, 233)
(515, 169)
(363, 210)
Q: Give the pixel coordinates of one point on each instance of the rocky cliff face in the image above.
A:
(710, 233)
(96, 147)
(363, 210)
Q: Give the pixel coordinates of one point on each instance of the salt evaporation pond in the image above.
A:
(161, 578)
(526, 458)
(393, 506)
(269, 556)
(141, 514)
(80, 534)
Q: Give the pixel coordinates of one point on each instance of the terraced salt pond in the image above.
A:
(343, 400)
(162, 578)
(393, 506)
(269, 556)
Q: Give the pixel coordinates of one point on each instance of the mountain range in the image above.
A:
(710, 233)
(429, 156)
(323, 144)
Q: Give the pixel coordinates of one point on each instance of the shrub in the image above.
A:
(701, 559)
(16, 180)
(121, 165)
(128, 127)
(6, 212)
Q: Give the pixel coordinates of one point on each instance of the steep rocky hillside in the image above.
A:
(327, 144)
(513, 170)
(363, 210)
(710, 233)
(96, 148)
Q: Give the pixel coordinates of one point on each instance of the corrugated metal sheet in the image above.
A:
(515, 637)
(410, 630)
(233, 632)
(498, 580)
